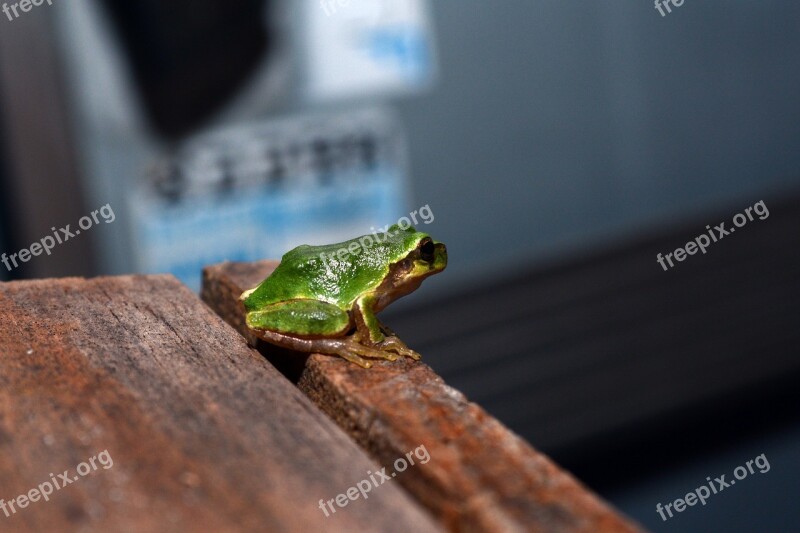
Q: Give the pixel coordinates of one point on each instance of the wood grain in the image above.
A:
(481, 476)
(205, 435)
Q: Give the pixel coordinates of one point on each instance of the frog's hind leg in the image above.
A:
(346, 348)
(318, 327)
(352, 350)
(323, 346)
(301, 318)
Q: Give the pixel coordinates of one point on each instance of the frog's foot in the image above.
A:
(390, 344)
(346, 348)
(349, 348)
(394, 344)
(353, 358)
(352, 350)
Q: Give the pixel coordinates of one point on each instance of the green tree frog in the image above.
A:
(324, 299)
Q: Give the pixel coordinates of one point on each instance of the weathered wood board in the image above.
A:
(480, 477)
(204, 434)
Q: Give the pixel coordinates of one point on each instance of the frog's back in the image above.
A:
(317, 272)
(293, 277)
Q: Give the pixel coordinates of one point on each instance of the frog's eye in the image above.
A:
(426, 251)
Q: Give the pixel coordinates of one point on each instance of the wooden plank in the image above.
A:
(481, 476)
(204, 434)
(602, 345)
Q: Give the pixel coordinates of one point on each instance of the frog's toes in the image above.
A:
(413, 355)
(393, 344)
(354, 358)
(369, 351)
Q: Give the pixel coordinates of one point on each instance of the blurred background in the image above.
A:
(558, 147)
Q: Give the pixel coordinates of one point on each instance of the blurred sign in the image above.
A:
(366, 47)
(255, 192)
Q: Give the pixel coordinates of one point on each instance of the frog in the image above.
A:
(325, 299)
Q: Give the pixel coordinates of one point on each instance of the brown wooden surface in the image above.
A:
(480, 477)
(205, 435)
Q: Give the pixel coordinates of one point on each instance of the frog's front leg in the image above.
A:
(389, 332)
(367, 325)
(370, 330)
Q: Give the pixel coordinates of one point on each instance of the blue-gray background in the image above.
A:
(556, 128)
(560, 127)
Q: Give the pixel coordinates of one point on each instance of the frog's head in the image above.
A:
(416, 257)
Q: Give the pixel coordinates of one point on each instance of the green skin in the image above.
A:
(324, 299)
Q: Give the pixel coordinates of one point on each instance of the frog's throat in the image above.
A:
(404, 278)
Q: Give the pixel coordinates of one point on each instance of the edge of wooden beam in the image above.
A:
(204, 433)
(480, 474)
